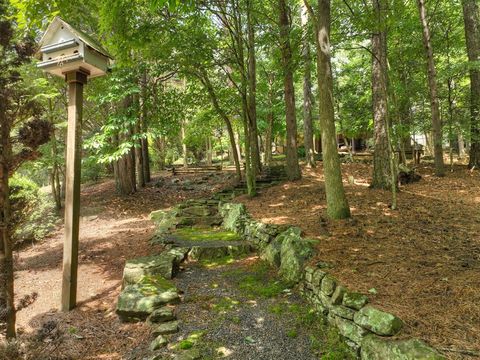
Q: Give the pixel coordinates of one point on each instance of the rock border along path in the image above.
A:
(146, 291)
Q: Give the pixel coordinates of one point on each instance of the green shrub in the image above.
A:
(33, 211)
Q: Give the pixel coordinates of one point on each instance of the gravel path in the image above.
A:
(234, 322)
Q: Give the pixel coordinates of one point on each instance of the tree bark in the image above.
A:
(432, 82)
(292, 167)
(472, 36)
(307, 92)
(381, 157)
(139, 157)
(144, 128)
(337, 204)
(124, 168)
(7, 305)
(252, 90)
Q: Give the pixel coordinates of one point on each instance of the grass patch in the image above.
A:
(200, 234)
(258, 281)
(222, 261)
(225, 304)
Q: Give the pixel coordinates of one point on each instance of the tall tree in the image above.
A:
(381, 157)
(292, 167)
(337, 204)
(432, 84)
(472, 36)
(307, 91)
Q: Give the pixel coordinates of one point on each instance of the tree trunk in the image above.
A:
(432, 82)
(184, 145)
(472, 35)
(209, 151)
(7, 304)
(461, 144)
(337, 204)
(160, 145)
(124, 168)
(144, 128)
(231, 135)
(292, 167)
(139, 157)
(307, 91)
(381, 156)
(252, 91)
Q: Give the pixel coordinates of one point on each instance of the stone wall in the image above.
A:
(365, 328)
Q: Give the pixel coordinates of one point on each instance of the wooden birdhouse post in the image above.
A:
(75, 56)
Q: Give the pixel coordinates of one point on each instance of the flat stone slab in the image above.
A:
(161, 315)
(207, 244)
(167, 328)
(136, 302)
(164, 264)
(377, 321)
(378, 348)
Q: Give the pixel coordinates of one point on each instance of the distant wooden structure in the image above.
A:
(181, 170)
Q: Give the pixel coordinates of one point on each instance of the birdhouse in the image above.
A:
(64, 49)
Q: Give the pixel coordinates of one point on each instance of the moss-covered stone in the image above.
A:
(317, 278)
(160, 315)
(159, 342)
(354, 300)
(377, 321)
(271, 253)
(293, 253)
(164, 265)
(166, 328)
(328, 285)
(234, 216)
(138, 301)
(337, 296)
(350, 330)
(377, 348)
(200, 253)
(342, 311)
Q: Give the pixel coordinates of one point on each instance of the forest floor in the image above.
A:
(113, 229)
(423, 260)
(420, 262)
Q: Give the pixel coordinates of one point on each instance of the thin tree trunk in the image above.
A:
(144, 127)
(139, 158)
(209, 151)
(432, 82)
(461, 144)
(160, 145)
(381, 157)
(472, 35)
(337, 204)
(184, 145)
(292, 167)
(231, 135)
(307, 91)
(252, 90)
(7, 305)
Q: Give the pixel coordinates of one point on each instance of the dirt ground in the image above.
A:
(421, 261)
(113, 229)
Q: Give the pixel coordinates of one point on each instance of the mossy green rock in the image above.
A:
(337, 296)
(166, 328)
(216, 252)
(354, 300)
(293, 253)
(234, 216)
(349, 329)
(165, 220)
(138, 301)
(158, 343)
(377, 348)
(328, 285)
(160, 315)
(163, 265)
(192, 354)
(342, 311)
(377, 321)
(271, 253)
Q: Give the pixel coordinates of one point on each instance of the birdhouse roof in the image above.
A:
(87, 39)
